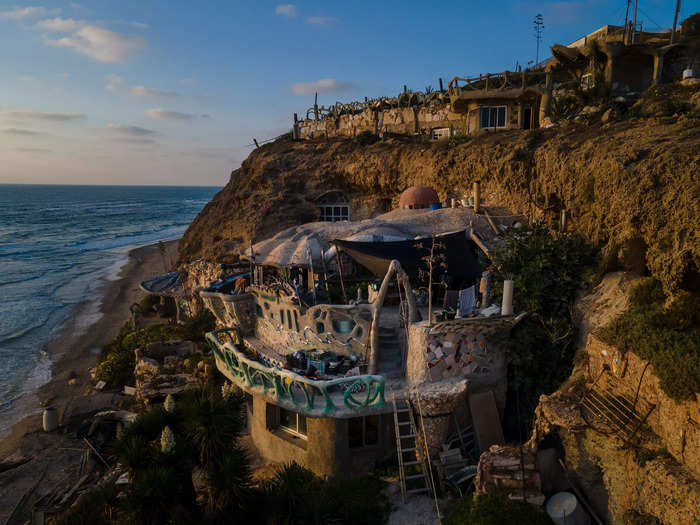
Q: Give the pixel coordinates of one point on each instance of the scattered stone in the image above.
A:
(100, 385)
(589, 110)
(690, 81)
(72, 382)
(606, 116)
(130, 390)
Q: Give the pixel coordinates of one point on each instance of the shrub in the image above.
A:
(495, 508)
(116, 366)
(548, 271)
(147, 303)
(297, 496)
(365, 138)
(667, 335)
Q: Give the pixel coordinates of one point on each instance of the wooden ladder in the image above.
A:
(407, 443)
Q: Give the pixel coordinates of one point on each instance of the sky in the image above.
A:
(173, 92)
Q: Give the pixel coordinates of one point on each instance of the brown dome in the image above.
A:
(417, 197)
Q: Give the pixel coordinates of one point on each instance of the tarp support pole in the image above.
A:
(394, 268)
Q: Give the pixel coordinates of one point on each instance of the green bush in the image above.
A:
(206, 428)
(548, 271)
(116, 365)
(495, 508)
(365, 138)
(147, 303)
(667, 335)
(297, 496)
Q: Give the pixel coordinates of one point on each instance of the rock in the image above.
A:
(121, 416)
(690, 81)
(695, 100)
(100, 385)
(172, 361)
(73, 382)
(130, 390)
(589, 110)
(606, 116)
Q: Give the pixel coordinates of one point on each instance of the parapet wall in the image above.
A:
(407, 120)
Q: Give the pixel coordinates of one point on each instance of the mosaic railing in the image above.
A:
(350, 395)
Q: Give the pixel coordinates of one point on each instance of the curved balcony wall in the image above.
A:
(343, 397)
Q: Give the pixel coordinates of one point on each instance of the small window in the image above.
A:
(363, 431)
(343, 325)
(292, 422)
(335, 213)
(296, 320)
(320, 328)
(258, 310)
(587, 81)
(289, 319)
(492, 117)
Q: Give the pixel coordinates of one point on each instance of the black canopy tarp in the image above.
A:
(460, 255)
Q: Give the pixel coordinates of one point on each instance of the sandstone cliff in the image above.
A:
(632, 186)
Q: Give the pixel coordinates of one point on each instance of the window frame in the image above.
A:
(585, 85)
(490, 109)
(293, 431)
(365, 444)
(335, 212)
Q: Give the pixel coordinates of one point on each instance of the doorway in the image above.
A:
(527, 118)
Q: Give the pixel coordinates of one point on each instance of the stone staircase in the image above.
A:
(390, 353)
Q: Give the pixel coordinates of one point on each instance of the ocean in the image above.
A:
(57, 245)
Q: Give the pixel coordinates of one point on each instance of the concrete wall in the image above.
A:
(325, 449)
(313, 328)
(465, 352)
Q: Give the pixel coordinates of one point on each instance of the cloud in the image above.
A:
(114, 83)
(24, 13)
(101, 44)
(143, 91)
(322, 20)
(63, 25)
(28, 78)
(130, 134)
(19, 131)
(289, 10)
(40, 115)
(164, 114)
(325, 85)
(128, 131)
(139, 25)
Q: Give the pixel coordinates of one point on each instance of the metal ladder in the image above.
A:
(407, 443)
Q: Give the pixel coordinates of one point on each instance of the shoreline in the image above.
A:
(75, 348)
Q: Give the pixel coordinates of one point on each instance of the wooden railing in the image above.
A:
(320, 398)
(499, 81)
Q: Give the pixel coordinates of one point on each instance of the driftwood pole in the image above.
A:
(394, 268)
(340, 272)
(477, 196)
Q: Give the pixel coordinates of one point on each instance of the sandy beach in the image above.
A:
(72, 353)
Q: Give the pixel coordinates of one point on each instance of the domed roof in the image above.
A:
(417, 197)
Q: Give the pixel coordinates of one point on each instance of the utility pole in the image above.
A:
(675, 21)
(539, 28)
(634, 23)
(625, 39)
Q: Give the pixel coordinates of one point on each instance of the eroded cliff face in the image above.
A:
(653, 471)
(632, 186)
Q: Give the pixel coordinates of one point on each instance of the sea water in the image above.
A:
(57, 245)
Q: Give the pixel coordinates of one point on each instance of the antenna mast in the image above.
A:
(539, 28)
